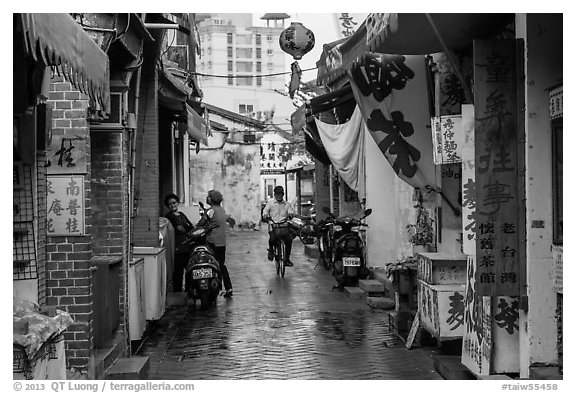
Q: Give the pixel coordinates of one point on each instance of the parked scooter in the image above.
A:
(203, 277)
(349, 263)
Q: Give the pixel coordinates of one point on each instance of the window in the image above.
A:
(270, 52)
(258, 39)
(244, 81)
(209, 50)
(258, 66)
(209, 64)
(229, 38)
(230, 79)
(269, 38)
(258, 81)
(244, 66)
(245, 109)
(258, 53)
(230, 65)
(230, 51)
(270, 65)
(243, 53)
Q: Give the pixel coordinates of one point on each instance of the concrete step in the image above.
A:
(371, 286)
(136, 368)
(545, 373)
(381, 276)
(451, 368)
(354, 293)
(380, 302)
(496, 377)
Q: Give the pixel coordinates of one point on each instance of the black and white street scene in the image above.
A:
(267, 196)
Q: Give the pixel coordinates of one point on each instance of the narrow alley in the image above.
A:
(294, 327)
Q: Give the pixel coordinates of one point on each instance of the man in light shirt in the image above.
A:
(278, 210)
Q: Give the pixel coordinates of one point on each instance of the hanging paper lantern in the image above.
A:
(297, 40)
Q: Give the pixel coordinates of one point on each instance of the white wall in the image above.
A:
(543, 66)
(391, 202)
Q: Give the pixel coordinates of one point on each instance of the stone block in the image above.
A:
(451, 368)
(371, 286)
(380, 302)
(354, 293)
(136, 368)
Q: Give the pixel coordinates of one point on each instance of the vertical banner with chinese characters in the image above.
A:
(65, 205)
(447, 139)
(496, 153)
(477, 337)
(468, 182)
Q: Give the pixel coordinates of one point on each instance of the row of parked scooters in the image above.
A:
(340, 244)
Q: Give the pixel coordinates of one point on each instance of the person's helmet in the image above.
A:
(215, 196)
(278, 190)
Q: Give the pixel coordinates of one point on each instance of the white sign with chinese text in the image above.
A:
(468, 182)
(65, 204)
(447, 139)
(557, 253)
(556, 102)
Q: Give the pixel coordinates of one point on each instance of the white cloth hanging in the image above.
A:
(344, 144)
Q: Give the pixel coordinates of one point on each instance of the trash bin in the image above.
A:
(137, 298)
(155, 277)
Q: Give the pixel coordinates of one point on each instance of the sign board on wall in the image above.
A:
(447, 139)
(477, 337)
(65, 204)
(557, 255)
(66, 154)
(497, 177)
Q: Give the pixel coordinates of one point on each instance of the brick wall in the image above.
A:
(147, 168)
(109, 202)
(68, 274)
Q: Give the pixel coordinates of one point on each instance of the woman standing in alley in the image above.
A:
(216, 215)
(182, 226)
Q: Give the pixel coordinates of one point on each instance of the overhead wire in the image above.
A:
(248, 76)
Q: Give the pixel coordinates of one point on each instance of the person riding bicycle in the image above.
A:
(278, 210)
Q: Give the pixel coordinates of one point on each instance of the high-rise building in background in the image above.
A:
(241, 56)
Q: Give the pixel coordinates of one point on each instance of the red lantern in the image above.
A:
(296, 40)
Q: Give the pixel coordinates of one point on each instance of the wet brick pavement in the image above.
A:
(294, 327)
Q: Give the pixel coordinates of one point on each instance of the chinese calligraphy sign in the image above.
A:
(497, 203)
(391, 96)
(447, 139)
(65, 204)
(66, 154)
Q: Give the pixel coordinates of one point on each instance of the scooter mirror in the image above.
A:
(367, 212)
(326, 210)
(201, 204)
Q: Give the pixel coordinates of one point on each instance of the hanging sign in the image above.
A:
(496, 154)
(556, 103)
(468, 182)
(65, 204)
(447, 139)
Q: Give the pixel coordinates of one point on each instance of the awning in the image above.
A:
(407, 34)
(61, 42)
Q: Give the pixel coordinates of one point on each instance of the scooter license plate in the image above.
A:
(351, 261)
(198, 274)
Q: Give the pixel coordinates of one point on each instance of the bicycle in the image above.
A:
(280, 256)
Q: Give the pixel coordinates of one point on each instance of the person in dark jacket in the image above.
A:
(216, 215)
(182, 226)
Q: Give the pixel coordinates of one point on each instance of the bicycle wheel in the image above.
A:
(282, 257)
(277, 259)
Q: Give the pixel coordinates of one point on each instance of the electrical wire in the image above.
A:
(248, 76)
